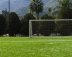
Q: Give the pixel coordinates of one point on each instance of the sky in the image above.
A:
(18, 4)
(2, 1)
(5, 0)
(15, 4)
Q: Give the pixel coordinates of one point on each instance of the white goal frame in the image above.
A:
(30, 23)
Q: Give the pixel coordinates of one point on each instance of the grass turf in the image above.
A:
(36, 47)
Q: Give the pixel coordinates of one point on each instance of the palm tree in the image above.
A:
(37, 7)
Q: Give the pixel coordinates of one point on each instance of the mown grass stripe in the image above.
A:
(41, 41)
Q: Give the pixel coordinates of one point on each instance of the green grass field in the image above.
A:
(36, 47)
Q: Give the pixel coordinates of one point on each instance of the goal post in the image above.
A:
(51, 23)
(30, 28)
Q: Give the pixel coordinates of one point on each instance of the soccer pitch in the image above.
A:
(36, 47)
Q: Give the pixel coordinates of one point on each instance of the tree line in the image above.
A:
(12, 25)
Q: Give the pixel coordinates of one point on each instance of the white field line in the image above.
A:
(39, 41)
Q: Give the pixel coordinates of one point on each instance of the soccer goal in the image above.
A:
(51, 27)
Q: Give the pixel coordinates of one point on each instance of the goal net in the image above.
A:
(51, 27)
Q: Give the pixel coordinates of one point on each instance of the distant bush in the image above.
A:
(2, 24)
(25, 24)
(14, 24)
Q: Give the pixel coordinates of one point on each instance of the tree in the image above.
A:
(49, 11)
(64, 12)
(62, 9)
(2, 24)
(37, 7)
(47, 27)
(5, 13)
(14, 24)
(25, 24)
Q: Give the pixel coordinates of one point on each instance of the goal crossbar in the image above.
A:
(53, 20)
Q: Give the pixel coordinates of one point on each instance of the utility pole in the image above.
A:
(8, 16)
(9, 5)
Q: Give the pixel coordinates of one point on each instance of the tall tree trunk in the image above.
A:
(38, 24)
(37, 16)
